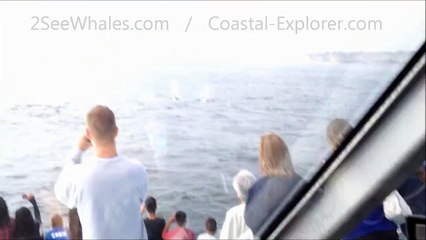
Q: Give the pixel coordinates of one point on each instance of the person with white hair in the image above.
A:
(234, 226)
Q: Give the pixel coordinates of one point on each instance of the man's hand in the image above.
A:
(172, 218)
(142, 208)
(27, 196)
(84, 143)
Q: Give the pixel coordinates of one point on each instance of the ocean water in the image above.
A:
(193, 128)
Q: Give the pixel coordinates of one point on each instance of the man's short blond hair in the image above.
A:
(101, 124)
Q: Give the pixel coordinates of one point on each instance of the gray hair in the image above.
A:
(337, 130)
(242, 182)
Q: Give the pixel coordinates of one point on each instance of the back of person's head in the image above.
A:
(151, 204)
(337, 130)
(101, 125)
(74, 225)
(274, 156)
(242, 182)
(4, 213)
(57, 221)
(211, 225)
(180, 217)
(25, 226)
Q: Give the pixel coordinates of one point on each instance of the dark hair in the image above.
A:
(74, 225)
(180, 218)
(211, 225)
(4, 213)
(25, 226)
(151, 204)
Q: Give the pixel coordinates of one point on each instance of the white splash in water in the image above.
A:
(157, 136)
(205, 94)
(175, 90)
(225, 188)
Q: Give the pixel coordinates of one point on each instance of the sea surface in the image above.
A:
(192, 127)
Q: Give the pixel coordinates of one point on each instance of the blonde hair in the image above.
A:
(274, 156)
(101, 123)
(337, 130)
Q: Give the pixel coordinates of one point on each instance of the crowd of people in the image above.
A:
(24, 226)
(107, 195)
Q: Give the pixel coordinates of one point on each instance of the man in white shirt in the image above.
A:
(234, 226)
(106, 189)
(211, 227)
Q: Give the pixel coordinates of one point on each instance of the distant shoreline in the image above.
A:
(361, 57)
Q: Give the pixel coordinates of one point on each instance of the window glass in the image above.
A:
(191, 99)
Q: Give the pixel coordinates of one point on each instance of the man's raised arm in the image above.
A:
(65, 188)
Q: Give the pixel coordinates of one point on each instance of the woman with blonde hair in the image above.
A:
(274, 156)
(278, 179)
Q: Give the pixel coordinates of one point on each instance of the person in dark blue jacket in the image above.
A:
(413, 191)
(279, 179)
(376, 225)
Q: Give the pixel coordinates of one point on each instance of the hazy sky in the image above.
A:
(38, 66)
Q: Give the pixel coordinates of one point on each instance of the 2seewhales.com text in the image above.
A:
(214, 23)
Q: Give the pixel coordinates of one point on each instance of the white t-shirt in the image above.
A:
(206, 236)
(108, 193)
(234, 225)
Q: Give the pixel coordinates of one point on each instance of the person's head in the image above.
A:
(101, 127)
(211, 225)
(4, 213)
(25, 226)
(337, 130)
(151, 205)
(242, 182)
(274, 156)
(180, 217)
(74, 225)
(57, 221)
